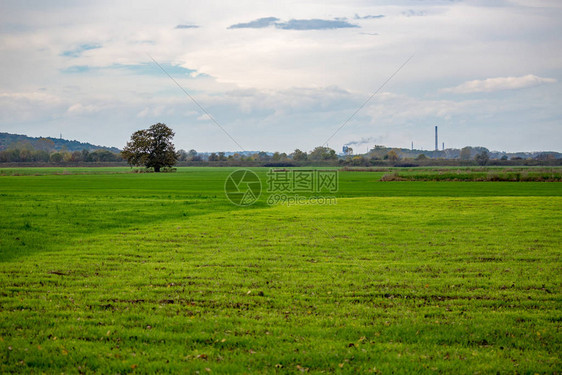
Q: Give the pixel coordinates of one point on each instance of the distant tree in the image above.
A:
(213, 157)
(504, 157)
(56, 157)
(42, 156)
(76, 156)
(358, 160)
(66, 156)
(465, 153)
(279, 156)
(103, 156)
(26, 155)
(263, 156)
(392, 156)
(421, 157)
(482, 158)
(22, 145)
(182, 155)
(222, 157)
(86, 155)
(544, 156)
(299, 155)
(45, 144)
(378, 152)
(9, 155)
(151, 147)
(322, 153)
(191, 154)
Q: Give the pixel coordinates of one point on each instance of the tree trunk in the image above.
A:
(157, 169)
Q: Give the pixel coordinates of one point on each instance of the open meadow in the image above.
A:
(107, 271)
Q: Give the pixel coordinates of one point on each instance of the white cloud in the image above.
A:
(32, 97)
(499, 84)
(16, 107)
(79, 109)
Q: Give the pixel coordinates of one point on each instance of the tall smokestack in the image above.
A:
(436, 140)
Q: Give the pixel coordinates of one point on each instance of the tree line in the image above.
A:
(152, 148)
(318, 154)
(15, 154)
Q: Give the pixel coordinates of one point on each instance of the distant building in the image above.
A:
(347, 150)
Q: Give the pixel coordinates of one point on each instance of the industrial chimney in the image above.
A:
(436, 140)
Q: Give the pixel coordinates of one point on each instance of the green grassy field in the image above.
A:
(114, 272)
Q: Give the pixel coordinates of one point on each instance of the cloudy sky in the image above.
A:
(280, 75)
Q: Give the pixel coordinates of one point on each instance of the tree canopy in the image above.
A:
(152, 148)
(465, 153)
(299, 155)
(482, 158)
(322, 153)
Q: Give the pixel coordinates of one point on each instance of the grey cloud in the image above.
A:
(414, 13)
(499, 84)
(306, 24)
(314, 24)
(368, 17)
(256, 24)
(187, 27)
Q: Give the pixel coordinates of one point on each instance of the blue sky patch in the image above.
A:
(314, 24)
(81, 48)
(76, 69)
(140, 69)
(260, 23)
(305, 24)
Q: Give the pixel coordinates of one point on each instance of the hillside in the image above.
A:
(8, 140)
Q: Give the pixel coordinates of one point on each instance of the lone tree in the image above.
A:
(152, 148)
